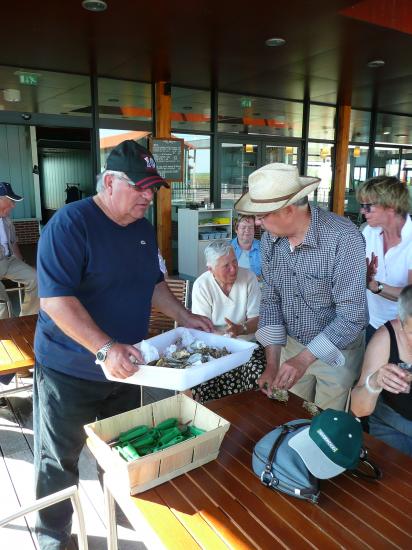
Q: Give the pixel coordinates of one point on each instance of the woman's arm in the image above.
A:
(389, 292)
(382, 375)
(238, 329)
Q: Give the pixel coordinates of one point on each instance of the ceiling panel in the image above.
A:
(209, 43)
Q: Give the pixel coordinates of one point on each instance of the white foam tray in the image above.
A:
(183, 379)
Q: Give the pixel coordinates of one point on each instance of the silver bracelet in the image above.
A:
(369, 387)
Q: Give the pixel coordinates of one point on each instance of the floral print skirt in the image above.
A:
(238, 380)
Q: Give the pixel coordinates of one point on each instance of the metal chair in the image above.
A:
(71, 493)
(10, 287)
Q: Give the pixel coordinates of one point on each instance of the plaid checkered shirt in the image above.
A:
(315, 293)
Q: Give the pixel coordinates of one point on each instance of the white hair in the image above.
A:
(405, 304)
(216, 250)
(102, 175)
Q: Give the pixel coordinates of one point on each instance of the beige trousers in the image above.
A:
(322, 384)
(16, 270)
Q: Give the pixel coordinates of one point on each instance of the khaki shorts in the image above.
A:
(322, 384)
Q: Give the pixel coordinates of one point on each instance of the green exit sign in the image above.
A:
(28, 79)
(246, 102)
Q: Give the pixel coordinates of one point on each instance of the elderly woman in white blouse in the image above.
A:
(229, 296)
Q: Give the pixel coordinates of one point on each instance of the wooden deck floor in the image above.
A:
(16, 483)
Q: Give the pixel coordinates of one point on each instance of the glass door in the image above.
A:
(239, 158)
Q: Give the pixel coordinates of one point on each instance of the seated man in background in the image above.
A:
(384, 388)
(229, 296)
(11, 264)
(246, 247)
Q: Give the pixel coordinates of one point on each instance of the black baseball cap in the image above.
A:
(7, 191)
(137, 163)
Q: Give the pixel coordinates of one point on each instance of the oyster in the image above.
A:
(280, 395)
(181, 356)
(312, 409)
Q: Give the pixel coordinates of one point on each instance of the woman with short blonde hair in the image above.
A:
(384, 201)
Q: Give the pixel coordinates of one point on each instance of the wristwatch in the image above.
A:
(101, 353)
(379, 288)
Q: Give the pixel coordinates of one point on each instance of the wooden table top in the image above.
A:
(224, 505)
(16, 343)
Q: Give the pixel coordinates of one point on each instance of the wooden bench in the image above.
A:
(224, 505)
(16, 345)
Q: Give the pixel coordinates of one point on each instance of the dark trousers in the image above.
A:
(61, 406)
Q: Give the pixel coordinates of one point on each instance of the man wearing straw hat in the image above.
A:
(313, 310)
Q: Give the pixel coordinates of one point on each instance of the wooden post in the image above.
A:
(343, 126)
(164, 196)
(341, 159)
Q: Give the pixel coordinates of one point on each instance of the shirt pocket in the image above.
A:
(317, 291)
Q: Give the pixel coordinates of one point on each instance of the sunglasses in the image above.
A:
(366, 206)
(154, 188)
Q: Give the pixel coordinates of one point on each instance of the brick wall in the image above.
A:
(27, 231)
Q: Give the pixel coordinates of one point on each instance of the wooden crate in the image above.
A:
(151, 470)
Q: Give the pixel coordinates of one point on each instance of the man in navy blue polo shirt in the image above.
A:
(98, 272)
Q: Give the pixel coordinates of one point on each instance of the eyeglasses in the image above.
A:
(246, 227)
(366, 206)
(136, 187)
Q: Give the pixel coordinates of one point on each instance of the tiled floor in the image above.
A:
(16, 480)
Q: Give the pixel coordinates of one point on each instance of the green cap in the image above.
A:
(331, 445)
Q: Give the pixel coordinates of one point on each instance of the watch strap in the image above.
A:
(105, 349)
(379, 287)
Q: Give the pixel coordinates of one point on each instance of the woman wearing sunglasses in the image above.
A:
(384, 201)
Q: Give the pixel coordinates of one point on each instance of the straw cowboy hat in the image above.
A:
(274, 186)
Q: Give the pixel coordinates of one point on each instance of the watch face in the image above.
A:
(101, 355)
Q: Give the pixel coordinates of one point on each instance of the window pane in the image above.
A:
(124, 99)
(280, 153)
(322, 122)
(237, 162)
(44, 92)
(320, 166)
(109, 139)
(255, 115)
(195, 187)
(385, 161)
(359, 126)
(394, 129)
(406, 167)
(190, 109)
(355, 174)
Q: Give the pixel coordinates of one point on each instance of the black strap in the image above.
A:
(372, 470)
(267, 476)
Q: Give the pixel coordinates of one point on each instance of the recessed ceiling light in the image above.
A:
(386, 131)
(274, 42)
(376, 63)
(12, 95)
(94, 5)
(401, 135)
